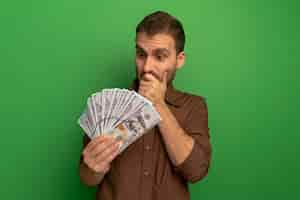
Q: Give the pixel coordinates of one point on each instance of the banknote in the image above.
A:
(121, 113)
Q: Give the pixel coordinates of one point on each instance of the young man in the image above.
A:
(161, 163)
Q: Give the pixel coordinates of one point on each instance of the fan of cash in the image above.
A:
(121, 113)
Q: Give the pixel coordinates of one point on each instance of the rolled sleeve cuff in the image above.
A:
(195, 166)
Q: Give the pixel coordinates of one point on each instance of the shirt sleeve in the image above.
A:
(196, 165)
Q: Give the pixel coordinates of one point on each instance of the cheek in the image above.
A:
(139, 66)
(139, 62)
(169, 67)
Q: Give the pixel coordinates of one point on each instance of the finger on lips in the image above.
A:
(149, 77)
(145, 82)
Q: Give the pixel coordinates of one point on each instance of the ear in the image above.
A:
(180, 60)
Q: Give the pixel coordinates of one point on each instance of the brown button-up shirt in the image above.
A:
(144, 171)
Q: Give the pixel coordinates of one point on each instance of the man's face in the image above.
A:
(156, 55)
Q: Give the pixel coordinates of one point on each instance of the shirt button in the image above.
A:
(146, 173)
(147, 147)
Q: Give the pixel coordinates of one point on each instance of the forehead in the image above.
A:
(157, 41)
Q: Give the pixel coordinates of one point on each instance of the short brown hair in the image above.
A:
(163, 22)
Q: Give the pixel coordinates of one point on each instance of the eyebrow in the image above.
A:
(140, 48)
(159, 50)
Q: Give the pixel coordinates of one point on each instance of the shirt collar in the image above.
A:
(172, 97)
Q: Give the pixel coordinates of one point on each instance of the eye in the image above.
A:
(160, 57)
(140, 54)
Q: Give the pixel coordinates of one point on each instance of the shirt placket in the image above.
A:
(147, 166)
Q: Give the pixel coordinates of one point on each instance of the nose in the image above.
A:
(148, 66)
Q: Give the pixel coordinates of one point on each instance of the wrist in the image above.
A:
(93, 172)
(160, 106)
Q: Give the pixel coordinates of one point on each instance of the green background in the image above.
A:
(242, 55)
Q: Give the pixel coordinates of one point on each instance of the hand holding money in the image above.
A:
(120, 113)
(99, 153)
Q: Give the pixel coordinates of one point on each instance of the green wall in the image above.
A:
(243, 55)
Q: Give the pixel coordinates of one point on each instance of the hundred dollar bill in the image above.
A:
(134, 127)
(85, 124)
